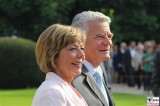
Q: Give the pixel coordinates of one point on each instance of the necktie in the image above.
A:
(100, 84)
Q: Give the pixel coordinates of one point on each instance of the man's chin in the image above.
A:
(107, 58)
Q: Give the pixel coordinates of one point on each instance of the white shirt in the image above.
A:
(91, 69)
(122, 50)
(132, 51)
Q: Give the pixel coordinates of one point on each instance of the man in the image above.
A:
(120, 61)
(97, 50)
(128, 56)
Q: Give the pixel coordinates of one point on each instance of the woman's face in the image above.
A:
(69, 61)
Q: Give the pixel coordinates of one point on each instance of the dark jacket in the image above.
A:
(127, 61)
(155, 82)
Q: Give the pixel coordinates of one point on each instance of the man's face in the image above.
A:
(98, 42)
(132, 44)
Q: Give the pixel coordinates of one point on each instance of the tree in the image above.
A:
(30, 17)
(139, 20)
(132, 20)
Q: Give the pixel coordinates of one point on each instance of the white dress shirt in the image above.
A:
(91, 69)
(132, 51)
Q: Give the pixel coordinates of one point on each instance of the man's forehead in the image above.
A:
(98, 22)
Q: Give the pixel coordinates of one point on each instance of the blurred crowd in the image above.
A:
(132, 64)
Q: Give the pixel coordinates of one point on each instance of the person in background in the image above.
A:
(128, 63)
(92, 82)
(120, 61)
(108, 68)
(157, 47)
(148, 66)
(115, 63)
(155, 81)
(59, 54)
(137, 64)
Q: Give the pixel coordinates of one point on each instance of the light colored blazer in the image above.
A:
(87, 87)
(54, 91)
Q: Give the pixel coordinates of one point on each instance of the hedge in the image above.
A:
(18, 67)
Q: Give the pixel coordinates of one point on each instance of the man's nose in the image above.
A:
(107, 42)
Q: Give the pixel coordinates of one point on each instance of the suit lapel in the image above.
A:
(105, 77)
(92, 83)
(106, 84)
(109, 96)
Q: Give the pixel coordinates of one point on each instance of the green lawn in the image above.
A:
(24, 98)
(16, 97)
(121, 99)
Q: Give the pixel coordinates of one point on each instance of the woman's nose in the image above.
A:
(81, 54)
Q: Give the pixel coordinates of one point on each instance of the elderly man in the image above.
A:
(92, 83)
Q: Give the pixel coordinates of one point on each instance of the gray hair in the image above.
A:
(81, 19)
(123, 44)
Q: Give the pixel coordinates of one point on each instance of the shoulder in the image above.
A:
(46, 94)
(50, 87)
(78, 79)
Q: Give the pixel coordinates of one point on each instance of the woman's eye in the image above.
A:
(72, 49)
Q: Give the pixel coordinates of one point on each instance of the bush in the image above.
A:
(18, 67)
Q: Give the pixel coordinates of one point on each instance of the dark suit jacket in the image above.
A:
(87, 87)
(127, 61)
(129, 68)
(155, 82)
(120, 59)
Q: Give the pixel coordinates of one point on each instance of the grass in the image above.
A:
(122, 99)
(24, 98)
(16, 97)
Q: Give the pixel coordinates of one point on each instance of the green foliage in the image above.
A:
(131, 19)
(30, 17)
(18, 68)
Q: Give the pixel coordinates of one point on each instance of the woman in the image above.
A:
(148, 66)
(59, 53)
(137, 64)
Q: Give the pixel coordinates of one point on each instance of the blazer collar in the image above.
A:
(55, 78)
(67, 89)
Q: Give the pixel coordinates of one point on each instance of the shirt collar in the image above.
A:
(53, 76)
(91, 69)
